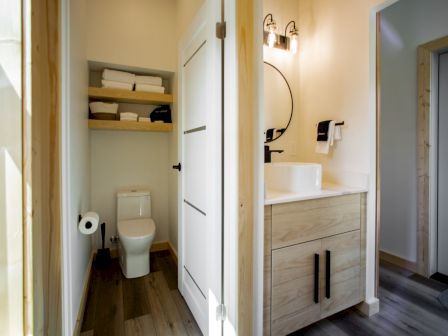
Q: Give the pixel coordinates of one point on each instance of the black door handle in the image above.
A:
(178, 167)
(316, 278)
(327, 273)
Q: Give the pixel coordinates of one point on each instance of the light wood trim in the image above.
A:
(398, 261)
(267, 271)
(378, 152)
(160, 246)
(173, 252)
(317, 219)
(46, 169)
(124, 96)
(118, 125)
(85, 291)
(247, 97)
(425, 54)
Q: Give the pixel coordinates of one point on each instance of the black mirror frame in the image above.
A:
(292, 102)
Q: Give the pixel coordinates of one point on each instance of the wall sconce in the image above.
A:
(274, 40)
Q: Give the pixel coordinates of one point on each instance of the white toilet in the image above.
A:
(136, 231)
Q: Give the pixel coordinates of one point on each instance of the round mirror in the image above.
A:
(278, 103)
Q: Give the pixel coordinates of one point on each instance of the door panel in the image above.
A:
(195, 98)
(195, 258)
(345, 272)
(442, 217)
(195, 168)
(293, 272)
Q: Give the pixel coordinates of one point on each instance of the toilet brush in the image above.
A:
(103, 256)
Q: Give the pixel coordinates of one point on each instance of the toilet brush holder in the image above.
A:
(103, 255)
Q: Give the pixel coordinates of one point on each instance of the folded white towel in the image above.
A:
(100, 107)
(150, 80)
(149, 88)
(128, 119)
(118, 76)
(144, 119)
(128, 115)
(337, 133)
(323, 147)
(117, 85)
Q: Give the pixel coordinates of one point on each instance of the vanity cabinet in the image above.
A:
(314, 260)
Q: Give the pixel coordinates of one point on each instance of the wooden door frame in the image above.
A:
(426, 110)
(44, 144)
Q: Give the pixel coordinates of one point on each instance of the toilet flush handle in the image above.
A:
(178, 167)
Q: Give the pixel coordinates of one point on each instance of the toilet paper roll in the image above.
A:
(89, 223)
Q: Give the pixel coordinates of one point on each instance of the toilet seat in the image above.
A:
(136, 228)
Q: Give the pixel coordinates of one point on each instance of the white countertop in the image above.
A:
(328, 190)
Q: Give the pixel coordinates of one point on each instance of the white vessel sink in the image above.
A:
(293, 177)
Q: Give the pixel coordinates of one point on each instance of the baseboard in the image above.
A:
(172, 252)
(369, 308)
(85, 291)
(398, 261)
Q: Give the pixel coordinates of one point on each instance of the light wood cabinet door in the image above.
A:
(299, 222)
(340, 272)
(294, 279)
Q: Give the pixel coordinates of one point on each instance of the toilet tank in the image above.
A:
(133, 204)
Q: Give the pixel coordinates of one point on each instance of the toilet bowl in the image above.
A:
(136, 230)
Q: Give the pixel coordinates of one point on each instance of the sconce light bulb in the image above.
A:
(294, 43)
(271, 39)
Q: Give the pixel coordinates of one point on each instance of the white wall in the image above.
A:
(77, 247)
(334, 56)
(288, 63)
(404, 26)
(121, 159)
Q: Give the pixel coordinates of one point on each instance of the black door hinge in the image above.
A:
(221, 30)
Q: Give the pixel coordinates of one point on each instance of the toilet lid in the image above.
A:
(137, 228)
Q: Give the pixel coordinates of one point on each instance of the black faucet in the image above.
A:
(268, 152)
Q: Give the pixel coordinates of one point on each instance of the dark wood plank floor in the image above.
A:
(150, 305)
(408, 306)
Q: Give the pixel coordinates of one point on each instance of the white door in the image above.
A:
(200, 203)
(442, 217)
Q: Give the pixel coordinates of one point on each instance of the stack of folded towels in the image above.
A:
(128, 116)
(149, 84)
(115, 79)
(118, 80)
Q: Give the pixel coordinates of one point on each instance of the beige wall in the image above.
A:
(139, 33)
(334, 56)
(284, 11)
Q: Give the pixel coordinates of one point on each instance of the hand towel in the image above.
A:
(118, 76)
(128, 115)
(150, 80)
(149, 88)
(323, 147)
(117, 85)
(337, 133)
(127, 119)
(100, 107)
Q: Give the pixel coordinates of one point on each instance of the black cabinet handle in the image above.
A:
(316, 278)
(327, 273)
(178, 167)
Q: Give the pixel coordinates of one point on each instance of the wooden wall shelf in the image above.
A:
(124, 96)
(129, 126)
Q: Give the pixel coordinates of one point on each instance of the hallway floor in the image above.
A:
(150, 305)
(408, 306)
